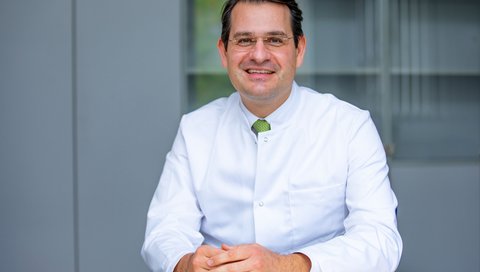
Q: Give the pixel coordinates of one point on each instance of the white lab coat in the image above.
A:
(316, 183)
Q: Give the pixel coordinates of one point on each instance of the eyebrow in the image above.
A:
(250, 34)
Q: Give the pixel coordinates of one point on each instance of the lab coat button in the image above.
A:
(260, 203)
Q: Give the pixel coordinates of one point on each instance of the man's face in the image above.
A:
(262, 74)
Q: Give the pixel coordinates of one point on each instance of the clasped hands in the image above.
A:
(248, 257)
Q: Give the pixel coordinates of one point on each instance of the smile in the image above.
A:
(252, 71)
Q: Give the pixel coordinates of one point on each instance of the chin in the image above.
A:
(259, 95)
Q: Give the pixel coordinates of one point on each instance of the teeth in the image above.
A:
(259, 72)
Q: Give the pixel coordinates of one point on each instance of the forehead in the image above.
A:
(260, 18)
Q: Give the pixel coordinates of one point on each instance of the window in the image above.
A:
(414, 64)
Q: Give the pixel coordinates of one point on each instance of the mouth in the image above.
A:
(255, 71)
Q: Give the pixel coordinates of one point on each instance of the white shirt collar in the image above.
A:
(280, 116)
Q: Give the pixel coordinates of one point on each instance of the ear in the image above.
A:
(222, 52)
(301, 48)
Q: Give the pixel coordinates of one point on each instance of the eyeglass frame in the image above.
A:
(264, 38)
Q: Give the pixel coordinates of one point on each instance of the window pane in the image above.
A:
(420, 79)
(206, 77)
(435, 55)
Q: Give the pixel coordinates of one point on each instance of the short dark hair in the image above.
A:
(295, 14)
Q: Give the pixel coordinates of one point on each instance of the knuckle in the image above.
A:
(195, 261)
(232, 253)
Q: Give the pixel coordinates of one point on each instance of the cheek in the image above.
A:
(234, 64)
(286, 60)
(288, 64)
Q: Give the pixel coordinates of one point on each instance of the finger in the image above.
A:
(241, 266)
(209, 251)
(227, 256)
(226, 247)
(202, 255)
(199, 262)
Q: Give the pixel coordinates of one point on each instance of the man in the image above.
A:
(303, 189)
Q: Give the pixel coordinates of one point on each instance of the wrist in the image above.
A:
(298, 262)
(183, 263)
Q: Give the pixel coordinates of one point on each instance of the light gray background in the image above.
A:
(91, 93)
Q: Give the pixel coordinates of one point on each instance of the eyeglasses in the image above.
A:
(271, 42)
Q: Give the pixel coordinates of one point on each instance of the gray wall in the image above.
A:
(36, 156)
(438, 215)
(90, 99)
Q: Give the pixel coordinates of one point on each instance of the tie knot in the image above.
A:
(260, 126)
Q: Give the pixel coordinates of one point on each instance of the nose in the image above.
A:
(260, 52)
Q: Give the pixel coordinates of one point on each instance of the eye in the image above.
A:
(274, 41)
(245, 41)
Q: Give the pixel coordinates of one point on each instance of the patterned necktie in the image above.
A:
(260, 126)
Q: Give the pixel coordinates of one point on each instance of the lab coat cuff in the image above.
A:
(313, 260)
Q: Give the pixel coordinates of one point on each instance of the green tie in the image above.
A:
(260, 126)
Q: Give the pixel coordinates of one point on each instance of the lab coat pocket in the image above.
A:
(318, 213)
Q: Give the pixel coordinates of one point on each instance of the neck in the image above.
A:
(261, 111)
(263, 108)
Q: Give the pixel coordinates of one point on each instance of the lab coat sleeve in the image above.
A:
(174, 217)
(371, 241)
